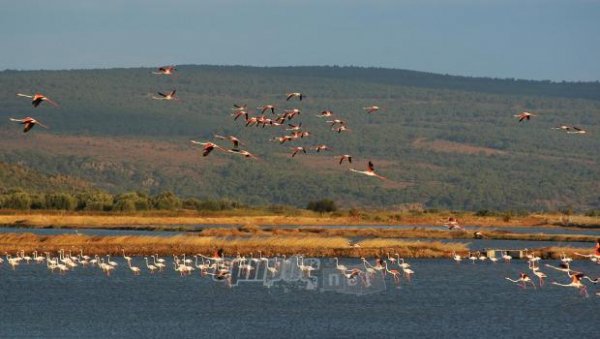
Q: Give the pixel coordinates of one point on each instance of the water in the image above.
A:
(443, 300)
(87, 231)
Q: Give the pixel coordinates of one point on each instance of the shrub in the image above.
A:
(166, 201)
(61, 201)
(322, 206)
(17, 200)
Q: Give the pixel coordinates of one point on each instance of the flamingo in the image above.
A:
(457, 258)
(452, 224)
(166, 96)
(37, 98)
(576, 283)
(395, 274)
(243, 153)
(345, 157)
(298, 149)
(507, 258)
(295, 95)
(339, 267)
(165, 70)
(341, 129)
(265, 108)
(335, 122)
(294, 127)
(240, 113)
(235, 141)
(369, 172)
(124, 256)
(238, 107)
(325, 114)
(134, 269)
(150, 267)
(110, 262)
(283, 139)
(524, 116)
(207, 147)
(371, 109)
(524, 279)
(577, 130)
(320, 148)
(29, 122)
(536, 270)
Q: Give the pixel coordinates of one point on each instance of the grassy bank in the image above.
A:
(181, 219)
(192, 244)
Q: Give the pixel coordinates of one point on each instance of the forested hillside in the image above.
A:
(443, 141)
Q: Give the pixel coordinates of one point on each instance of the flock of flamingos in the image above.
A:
(221, 268)
(294, 131)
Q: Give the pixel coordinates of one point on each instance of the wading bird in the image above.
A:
(37, 99)
(29, 122)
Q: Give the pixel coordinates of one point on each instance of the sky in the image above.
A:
(525, 39)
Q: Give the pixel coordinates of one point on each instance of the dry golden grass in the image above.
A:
(269, 245)
(178, 219)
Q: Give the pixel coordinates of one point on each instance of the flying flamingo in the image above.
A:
(524, 116)
(298, 149)
(283, 139)
(243, 153)
(295, 95)
(524, 279)
(371, 109)
(37, 98)
(207, 147)
(29, 122)
(236, 142)
(341, 129)
(336, 121)
(166, 96)
(237, 107)
(265, 108)
(369, 172)
(240, 113)
(577, 131)
(452, 224)
(165, 70)
(576, 283)
(345, 157)
(325, 114)
(320, 148)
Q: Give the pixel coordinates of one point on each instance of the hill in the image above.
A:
(443, 141)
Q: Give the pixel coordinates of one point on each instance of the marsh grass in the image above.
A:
(268, 245)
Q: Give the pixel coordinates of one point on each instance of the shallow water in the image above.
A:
(444, 299)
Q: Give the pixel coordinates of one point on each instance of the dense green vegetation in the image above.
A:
(444, 141)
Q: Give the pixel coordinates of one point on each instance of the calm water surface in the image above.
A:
(443, 300)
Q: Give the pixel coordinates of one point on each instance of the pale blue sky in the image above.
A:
(528, 39)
